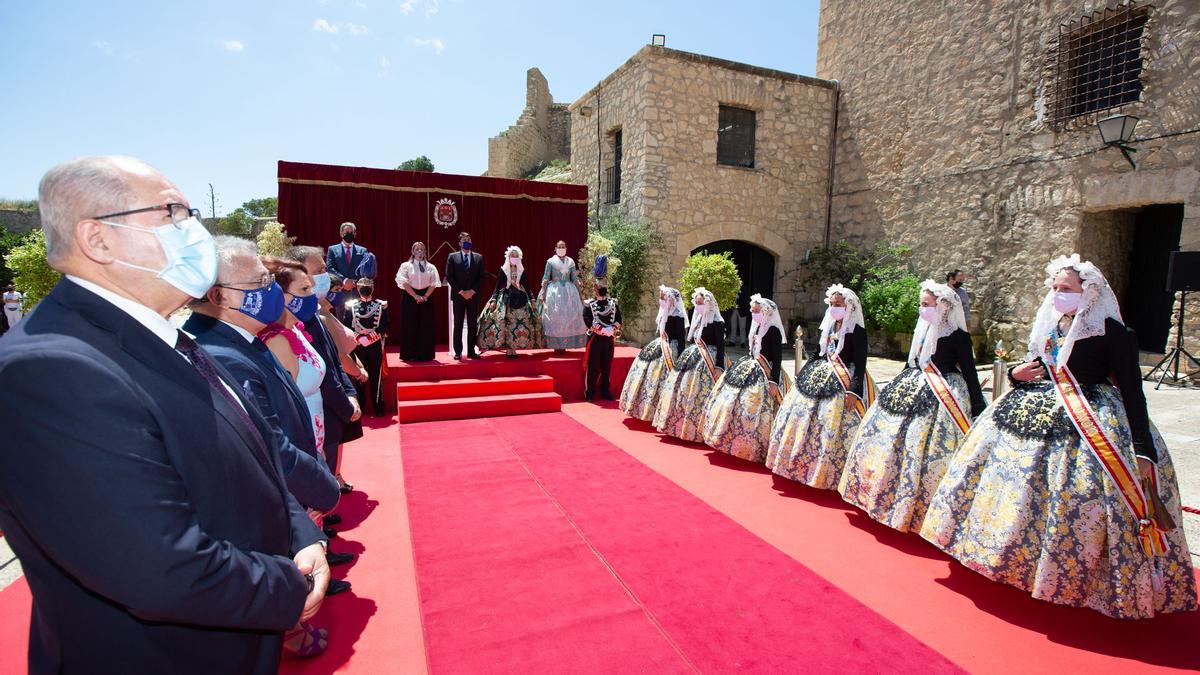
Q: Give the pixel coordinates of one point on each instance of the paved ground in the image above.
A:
(1173, 410)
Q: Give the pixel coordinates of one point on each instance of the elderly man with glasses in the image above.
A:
(142, 488)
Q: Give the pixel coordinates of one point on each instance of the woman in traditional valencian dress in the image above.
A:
(639, 395)
(562, 308)
(681, 403)
(509, 321)
(817, 420)
(742, 405)
(1064, 488)
(906, 439)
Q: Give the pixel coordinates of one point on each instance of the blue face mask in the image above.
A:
(190, 252)
(264, 305)
(321, 283)
(303, 306)
(334, 297)
(466, 246)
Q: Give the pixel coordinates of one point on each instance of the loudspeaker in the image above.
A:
(1183, 272)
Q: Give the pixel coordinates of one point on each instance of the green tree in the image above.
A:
(632, 243)
(597, 244)
(238, 222)
(264, 207)
(421, 163)
(31, 273)
(273, 240)
(844, 264)
(715, 271)
(8, 241)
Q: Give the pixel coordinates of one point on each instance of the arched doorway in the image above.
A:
(756, 267)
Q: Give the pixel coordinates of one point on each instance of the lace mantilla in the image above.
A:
(703, 314)
(949, 319)
(770, 317)
(854, 317)
(673, 307)
(1097, 305)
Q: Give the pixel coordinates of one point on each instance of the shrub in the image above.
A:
(632, 244)
(714, 271)
(31, 273)
(273, 240)
(846, 265)
(890, 305)
(597, 244)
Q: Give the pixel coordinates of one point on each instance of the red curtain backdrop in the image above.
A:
(393, 209)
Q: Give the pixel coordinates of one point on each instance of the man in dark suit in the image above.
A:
(141, 490)
(345, 257)
(337, 389)
(464, 273)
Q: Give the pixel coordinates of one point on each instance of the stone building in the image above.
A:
(968, 130)
(540, 135)
(715, 155)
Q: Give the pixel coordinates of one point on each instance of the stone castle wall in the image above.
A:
(540, 135)
(666, 103)
(945, 144)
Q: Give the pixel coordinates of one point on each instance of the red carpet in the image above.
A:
(541, 546)
(983, 626)
(470, 398)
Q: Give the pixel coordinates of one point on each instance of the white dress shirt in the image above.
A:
(411, 273)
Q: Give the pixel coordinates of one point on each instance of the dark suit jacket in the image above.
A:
(154, 528)
(336, 389)
(272, 388)
(464, 279)
(335, 260)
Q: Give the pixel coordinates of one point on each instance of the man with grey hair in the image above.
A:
(141, 490)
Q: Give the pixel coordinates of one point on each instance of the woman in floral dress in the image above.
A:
(639, 395)
(562, 307)
(684, 395)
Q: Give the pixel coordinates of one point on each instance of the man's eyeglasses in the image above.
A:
(261, 282)
(178, 212)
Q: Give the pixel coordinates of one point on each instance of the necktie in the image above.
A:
(348, 249)
(466, 261)
(203, 364)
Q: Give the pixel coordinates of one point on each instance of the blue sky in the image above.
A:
(218, 91)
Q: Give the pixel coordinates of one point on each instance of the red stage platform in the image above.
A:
(566, 369)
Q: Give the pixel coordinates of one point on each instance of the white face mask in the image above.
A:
(756, 317)
(562, 252)
(663, 304)
(929, 314)
(1066, 302)
(191, 255)
(837, 313)
(513, 260)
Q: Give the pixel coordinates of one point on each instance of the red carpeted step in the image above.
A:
(477, 406)
(494, 386)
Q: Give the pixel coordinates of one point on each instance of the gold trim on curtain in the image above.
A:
(397, 188)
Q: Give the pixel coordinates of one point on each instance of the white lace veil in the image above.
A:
(702, 315)
(520, 266)
(770, 312)
(1097, 304)
(674, 308)
(949, 319)
(854, 317)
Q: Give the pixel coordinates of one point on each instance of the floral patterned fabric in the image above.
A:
(502, 327)
(740, 411)
(901, 450)
(639, 395)
(562, 308)
(1025, 502)
(682, 397)
(813, 428)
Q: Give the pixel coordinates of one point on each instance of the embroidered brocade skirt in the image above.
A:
(639, 395)
(1025, 502)
(901, 450)
(682, 399)
(502, 327)
(813, 429)
(562, 316)
(739, 412)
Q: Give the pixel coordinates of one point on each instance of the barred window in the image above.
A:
(735, 136)
(1098, 62)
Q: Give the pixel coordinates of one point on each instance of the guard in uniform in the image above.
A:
(603, 319)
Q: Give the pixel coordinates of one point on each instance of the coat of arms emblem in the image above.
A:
(445, 213)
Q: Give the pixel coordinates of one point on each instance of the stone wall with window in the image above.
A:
(948, 140)
(668, 104)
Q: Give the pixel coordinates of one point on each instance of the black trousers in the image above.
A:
(467, 310)
(416, 328)
(372, 360)
(600, 357)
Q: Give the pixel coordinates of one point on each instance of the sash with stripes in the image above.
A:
(666, 350)
(1124, 476)
(941, 390)
(843, 375)
(707, 358)
(765, 365)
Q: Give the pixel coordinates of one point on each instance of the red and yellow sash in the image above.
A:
(781, 389)
(843, 375)
(941, 389)
(665, 345)
(707, 358)
(1151, 536)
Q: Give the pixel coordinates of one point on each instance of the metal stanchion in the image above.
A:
(800, 355)
(999, 371)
